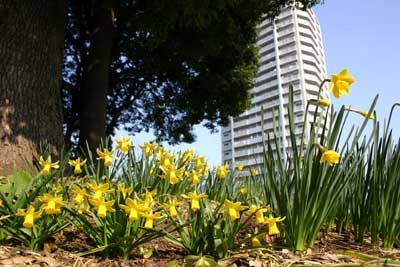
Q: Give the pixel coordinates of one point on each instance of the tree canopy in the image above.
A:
(172, 64)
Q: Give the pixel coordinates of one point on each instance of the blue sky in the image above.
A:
(362, 36)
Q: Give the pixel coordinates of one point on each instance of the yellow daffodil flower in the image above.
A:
(222, 171)
(150, 217)
(1, 202)
(148, 149)
(171, 207)
(51, 204)
(233, 209)
(195, 199)
(30, 216)
(106, 155)
(243, 190)
(99, 190)
(255, 242)
(205, 170)
(365, 114)
(124, 144)
(173, 174)
(340, 83)
(188, 155)
(77, 164)
(272, 227)
(330, 156)
(47, 165)
(82, 207)
(160, 152)
(254, 172)
(57, 189)
(324, 102)
(102, 206)
(149, 198)
(125, 191)
(199, 162)
(259, 213)
(80, 194)
(165, 158)
(240, 167)
(133, 208)
(194, 176)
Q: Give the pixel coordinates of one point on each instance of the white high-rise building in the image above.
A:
(291, 53)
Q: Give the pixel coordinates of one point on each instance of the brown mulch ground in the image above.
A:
(331, 250)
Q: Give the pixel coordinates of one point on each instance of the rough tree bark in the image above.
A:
(31, 49)
(95, 78)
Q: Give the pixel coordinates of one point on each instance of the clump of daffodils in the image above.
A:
(103, 201)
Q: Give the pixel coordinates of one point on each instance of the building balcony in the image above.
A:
(287, 40)
(268, 47)
(249, 152)
(290, 78)
(287, 59)
(285, 32)
(265, 76)
(248, 142)
(270, 57)
(246, 122)
(264, 86)
(265, 39)
(270, 65)
(287, 50)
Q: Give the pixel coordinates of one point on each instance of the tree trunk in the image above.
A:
(31, 49)
(95, 81)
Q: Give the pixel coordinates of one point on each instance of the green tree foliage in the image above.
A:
(173, 64)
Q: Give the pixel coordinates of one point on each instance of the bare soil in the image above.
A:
(330, 250)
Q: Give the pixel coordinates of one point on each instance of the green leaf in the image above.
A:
(17, 182)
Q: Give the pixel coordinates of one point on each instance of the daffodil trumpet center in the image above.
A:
(133, 215)
(77, 169)
(46, 169)
(28, 221)
(102, 211)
